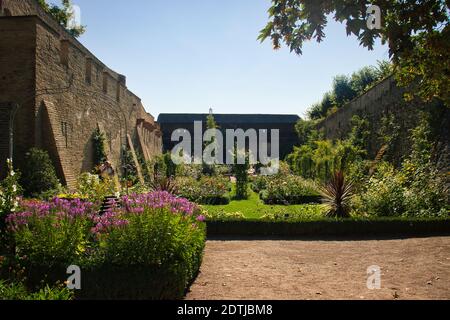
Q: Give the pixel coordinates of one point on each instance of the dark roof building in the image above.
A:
(169, 122)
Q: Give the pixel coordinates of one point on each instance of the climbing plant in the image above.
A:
(99, 147)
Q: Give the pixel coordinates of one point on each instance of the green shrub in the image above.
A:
(223, 215)
(18, 291)
(169, 245)
(98, 139)
(38, 175)
(92, 187)
(149, 246)
(409, 192)
(52, 233)
(205, 190)
(385, 194)
(289, 189)
(259, 183)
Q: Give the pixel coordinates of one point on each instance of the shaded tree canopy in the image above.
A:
(417, 33)
(63, 16)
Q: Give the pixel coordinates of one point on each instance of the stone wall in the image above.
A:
(383, 100)
(66, 93)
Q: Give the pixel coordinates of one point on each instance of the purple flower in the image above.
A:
(201, 218)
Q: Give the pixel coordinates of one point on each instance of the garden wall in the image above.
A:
(65, 93)
(386, 98)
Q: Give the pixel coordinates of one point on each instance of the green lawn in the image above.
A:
(254, 208)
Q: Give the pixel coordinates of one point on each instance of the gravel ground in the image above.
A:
(416, 268)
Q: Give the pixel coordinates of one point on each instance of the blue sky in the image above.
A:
(188, 56)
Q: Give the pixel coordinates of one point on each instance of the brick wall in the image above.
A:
(84, 93)
(17, 74)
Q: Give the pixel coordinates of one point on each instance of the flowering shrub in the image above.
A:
(407, 192)
(9, 200)
(205, 190)
(9, 191)
(154, 238)
(289, 189)
(54, 232)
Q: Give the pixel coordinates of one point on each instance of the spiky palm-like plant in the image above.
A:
(163, 183)
(337, 194)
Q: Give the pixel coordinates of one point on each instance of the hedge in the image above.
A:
(108, 282)
(329, 227)
(291, 200)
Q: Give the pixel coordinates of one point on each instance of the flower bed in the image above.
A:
(287, 190)
(149, 246)
(206, 190)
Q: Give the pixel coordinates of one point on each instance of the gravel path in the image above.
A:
(410, 269)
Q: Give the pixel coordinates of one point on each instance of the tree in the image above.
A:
(241, 173)
(211, 124)
(346, 88)
(39, 175)
(63, 16)
(417, 32)
(343, 90)
(363, 79)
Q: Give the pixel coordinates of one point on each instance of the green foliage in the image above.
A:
(9, 192)
(210, 169)
(306, 131)
(289, 189)
(129, 170)
(221, 215)
(241, 173)
(63, 16)
(417, 33)
(162, 165)
(205, 190)
(163, 183)
(92, 187)
(53, 240)
(317, 158)
(98, 139)
(337, 195)
(39, 175)
(174, 239)
(322, 157)
(9, 201)
(346, 88)
(417, 189)
(18, 291)
(136, 251)
(360, 133)
(385, 194)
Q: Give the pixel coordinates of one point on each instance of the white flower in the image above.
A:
(14, 187)
(12, 173)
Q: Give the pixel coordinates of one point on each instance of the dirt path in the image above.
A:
(410, 269)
